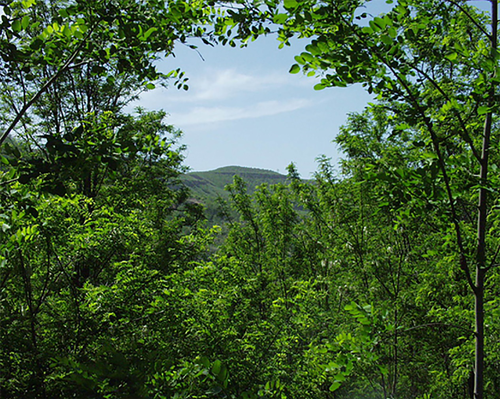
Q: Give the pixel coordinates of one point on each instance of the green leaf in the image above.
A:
(28, 3)
(332, 366)
(216, 367)
(290, 3)
(307, 57)
(313, 49)
(483, 109)
(294, 69)
(280, 18)
(374, 27)
(150, 86)
(299, 59)
(335, 386)
(386, 40)
(25, 22)
(319, 86)
(204, 362)
(148, 33)
(380, 22)
(16, 25)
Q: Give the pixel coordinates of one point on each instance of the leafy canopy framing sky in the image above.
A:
(244, 108)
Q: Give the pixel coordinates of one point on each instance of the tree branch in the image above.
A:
(47, 84)
(471, 19)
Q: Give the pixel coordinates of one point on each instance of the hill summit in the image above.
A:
(212, 183)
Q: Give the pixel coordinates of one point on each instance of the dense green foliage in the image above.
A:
(433, 67)
(380, 281)
(208, 188)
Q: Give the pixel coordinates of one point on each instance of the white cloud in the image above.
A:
(219, 86)
(229, 83)
(201, 115)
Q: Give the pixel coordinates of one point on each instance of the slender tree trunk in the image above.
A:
(482, 227)
(479, 355)
(30, 302)
(395, 381)
(481, 266)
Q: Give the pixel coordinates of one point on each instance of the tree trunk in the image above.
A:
(481, 266)
(479, 355)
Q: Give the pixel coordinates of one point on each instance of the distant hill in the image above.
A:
(207, 187)
(212, 183)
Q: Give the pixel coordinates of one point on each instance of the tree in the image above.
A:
(433, 66)
(408, 191)
(42, 41)
(93, 211)
(85, 271)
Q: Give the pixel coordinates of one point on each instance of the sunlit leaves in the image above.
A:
(483, 110)
(320, 86)
(290, 4)
(294, 69)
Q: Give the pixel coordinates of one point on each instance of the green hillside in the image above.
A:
(212, 183)
(208, 187)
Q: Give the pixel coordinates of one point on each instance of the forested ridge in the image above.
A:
(378, 280)
(209, 190)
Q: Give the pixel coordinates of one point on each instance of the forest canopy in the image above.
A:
(380, 281)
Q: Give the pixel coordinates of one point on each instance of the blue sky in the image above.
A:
(244, 108)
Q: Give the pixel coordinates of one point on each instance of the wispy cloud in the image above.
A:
(228, 83)
(228, 95)
(222, 85)
(202, 115)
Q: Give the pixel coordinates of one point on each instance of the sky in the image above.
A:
(244, 108)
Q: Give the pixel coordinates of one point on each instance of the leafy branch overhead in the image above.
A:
(61, 37)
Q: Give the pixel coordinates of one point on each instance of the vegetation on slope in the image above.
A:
(209, 188)
(213, 183)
